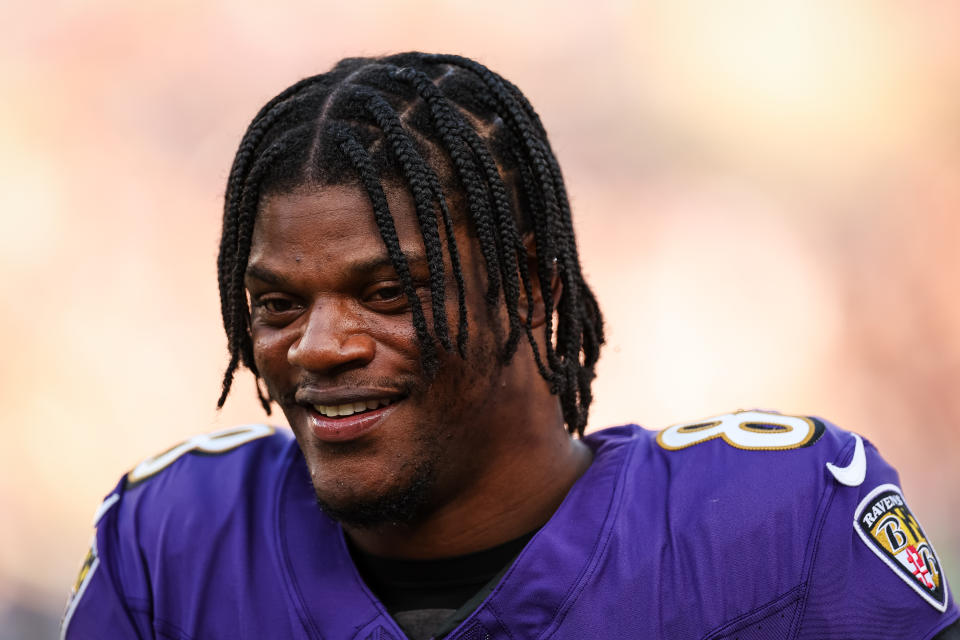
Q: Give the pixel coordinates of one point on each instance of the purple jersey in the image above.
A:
(751, 525)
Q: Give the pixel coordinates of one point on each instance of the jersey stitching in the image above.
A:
(500, 621)
(802, 609)
(377, 605)
(581, 582)
(111, 571)
(826, 500)
(306, 620)
(788, 598)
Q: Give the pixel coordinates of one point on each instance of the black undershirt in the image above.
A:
(429, 598)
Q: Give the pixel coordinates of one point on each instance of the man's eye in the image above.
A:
(276, 305)
(387, 293)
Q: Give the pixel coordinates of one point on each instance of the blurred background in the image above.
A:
(767, 196)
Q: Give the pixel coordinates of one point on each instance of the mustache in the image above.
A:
(403, 385)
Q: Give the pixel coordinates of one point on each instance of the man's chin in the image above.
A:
(400, 504)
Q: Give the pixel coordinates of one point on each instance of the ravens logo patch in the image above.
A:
(890, 530)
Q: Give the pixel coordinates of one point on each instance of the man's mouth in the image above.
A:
(351, 408)
(344, 421)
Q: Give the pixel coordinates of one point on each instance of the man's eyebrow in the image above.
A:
(415, 259)
(262, 273)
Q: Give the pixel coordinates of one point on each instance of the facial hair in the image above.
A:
(401, 504)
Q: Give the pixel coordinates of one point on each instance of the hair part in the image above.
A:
(437, 124)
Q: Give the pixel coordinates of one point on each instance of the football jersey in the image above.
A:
(749, 525)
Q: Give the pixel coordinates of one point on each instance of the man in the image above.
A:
(398, 269)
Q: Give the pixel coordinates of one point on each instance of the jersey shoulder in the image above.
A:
(207, 453)
(195, 482)
(816, 509)
(752, 472)
(180, 502)
(745, 443)
(752, 441)
(756, 430)
(164, 517)
(757, 464)
(206, 476)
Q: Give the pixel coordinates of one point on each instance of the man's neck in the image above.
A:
(519, 494)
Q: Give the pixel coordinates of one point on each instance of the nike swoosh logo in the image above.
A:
(854, 473)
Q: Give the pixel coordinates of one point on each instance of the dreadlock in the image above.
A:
(438, 124)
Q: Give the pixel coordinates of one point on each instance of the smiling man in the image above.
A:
(398, 269)
(414, 462)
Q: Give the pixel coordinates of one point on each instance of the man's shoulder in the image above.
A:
(813, 509)
(204, 476)
(758, 471)
(198, 504)
(740, 445)
(235, 448)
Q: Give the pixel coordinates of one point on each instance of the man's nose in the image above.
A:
(333, 338)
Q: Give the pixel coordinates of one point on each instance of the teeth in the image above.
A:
(350, 408)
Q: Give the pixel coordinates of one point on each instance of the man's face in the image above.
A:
(334, 341)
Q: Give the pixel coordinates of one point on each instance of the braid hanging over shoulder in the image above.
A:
(445, 127)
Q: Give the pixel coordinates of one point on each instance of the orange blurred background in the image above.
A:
(767, 197)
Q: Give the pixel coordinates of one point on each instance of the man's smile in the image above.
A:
(343, 427)
(341, 414)
(346, 401)
(351, 408)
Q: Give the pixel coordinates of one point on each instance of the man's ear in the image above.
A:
(536, 287)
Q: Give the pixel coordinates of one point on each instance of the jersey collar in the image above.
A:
(531, 599)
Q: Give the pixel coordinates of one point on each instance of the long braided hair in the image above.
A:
(439, 124)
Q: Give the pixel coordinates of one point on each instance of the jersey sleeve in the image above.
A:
(102, 603)
(159, 532)
(874, 572)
